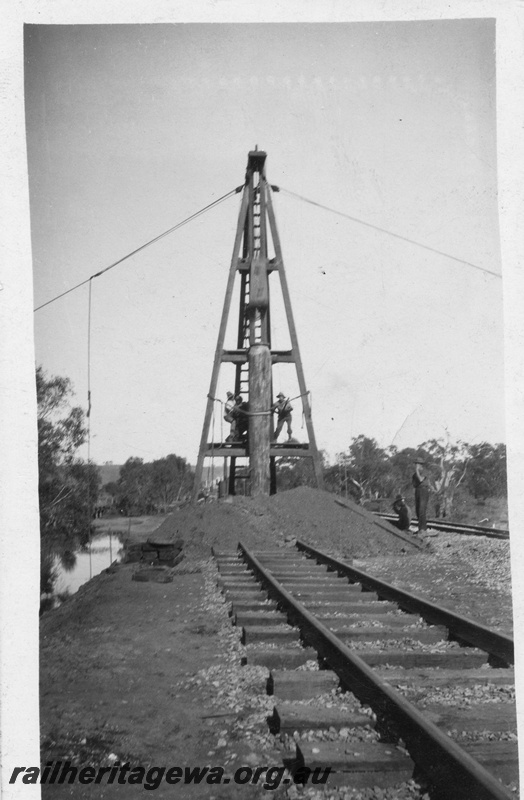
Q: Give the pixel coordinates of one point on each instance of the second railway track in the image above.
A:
(391, 657)
(447, 526)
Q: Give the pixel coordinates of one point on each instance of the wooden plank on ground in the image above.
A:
(344, 620)
(301, 684)
(376, 634)
(352, 605)
(279, 658)
(241, 606)
(467, 658)
(265, 618)
(493, 717)
(499, 758)
(438, 677)
(357, 764)
(290, 717)
(252, 634)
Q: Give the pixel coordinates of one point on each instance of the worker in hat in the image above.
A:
(404, 513)
(421, 485)
(230, 416)
(283, 408)
(241, 414)
(230, 402)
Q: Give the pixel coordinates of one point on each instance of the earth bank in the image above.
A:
(318, 517)
(148, 673)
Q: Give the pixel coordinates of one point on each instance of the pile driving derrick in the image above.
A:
(253, 357)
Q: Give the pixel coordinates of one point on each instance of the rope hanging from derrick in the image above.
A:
(142, 247)
(89, 281)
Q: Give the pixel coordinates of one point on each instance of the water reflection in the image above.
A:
(64, 569)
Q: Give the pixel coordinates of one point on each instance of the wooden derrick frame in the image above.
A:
(256, 215)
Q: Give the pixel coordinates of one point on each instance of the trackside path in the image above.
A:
(140, 673)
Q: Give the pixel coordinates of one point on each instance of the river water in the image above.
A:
(103, 550)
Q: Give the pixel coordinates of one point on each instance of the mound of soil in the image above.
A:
(314, 516)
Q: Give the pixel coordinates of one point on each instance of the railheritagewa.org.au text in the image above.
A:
(151, 778)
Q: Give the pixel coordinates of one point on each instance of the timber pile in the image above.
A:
(155, 551)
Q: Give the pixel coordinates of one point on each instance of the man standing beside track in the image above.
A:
(422, 486)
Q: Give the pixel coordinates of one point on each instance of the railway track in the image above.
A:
(454, 527)
(414, 689)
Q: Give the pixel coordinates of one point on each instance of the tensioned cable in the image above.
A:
(89, 362)
(390, 233)
(138, 249)
(212, 454)
(89, 513)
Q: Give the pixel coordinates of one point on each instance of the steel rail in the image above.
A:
(462, 628)
(445, 764)
(495, 533)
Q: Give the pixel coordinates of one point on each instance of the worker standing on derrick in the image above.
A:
(283, 409)
(230, 417)
(241, 412)
(237, 413)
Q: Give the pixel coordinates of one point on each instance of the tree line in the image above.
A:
(69, 487)
(151, 487)
(366, 471)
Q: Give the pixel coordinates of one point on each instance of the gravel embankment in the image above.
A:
(238, 693)
(469, 575)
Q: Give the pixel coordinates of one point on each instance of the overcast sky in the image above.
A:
(131, 128)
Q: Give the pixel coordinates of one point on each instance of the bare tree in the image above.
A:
(448, 472)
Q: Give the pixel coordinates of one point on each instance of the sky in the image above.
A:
(132, 128)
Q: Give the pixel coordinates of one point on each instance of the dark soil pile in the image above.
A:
(314, 516)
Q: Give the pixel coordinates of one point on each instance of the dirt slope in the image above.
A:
(315, 516)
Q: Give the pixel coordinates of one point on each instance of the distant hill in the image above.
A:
(109, 473)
